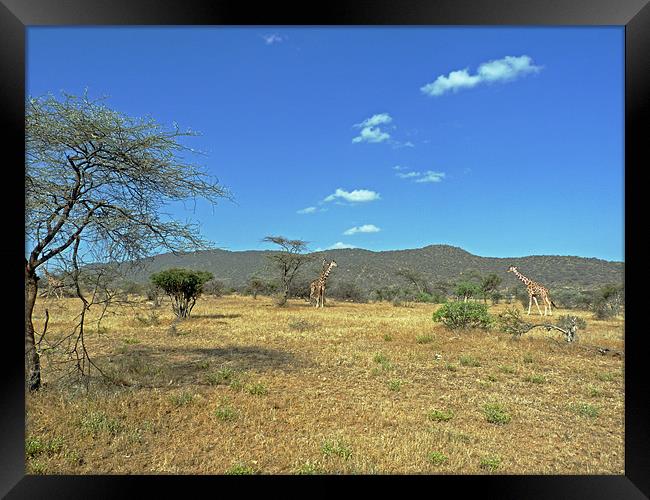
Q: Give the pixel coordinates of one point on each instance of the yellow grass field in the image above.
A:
(246, 387)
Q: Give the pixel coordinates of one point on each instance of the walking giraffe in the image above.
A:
(54, 285)
(317, 287)
(534, 290)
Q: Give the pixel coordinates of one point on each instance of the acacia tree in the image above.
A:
(489, 285)
(255, 286)
(96, 181)
(415, 278)
(183, 286)
(287, 261)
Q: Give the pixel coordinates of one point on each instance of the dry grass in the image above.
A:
(244, 387)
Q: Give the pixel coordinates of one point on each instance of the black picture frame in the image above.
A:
(17, 15)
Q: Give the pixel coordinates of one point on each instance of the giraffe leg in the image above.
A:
(530, 303)
(537, 304)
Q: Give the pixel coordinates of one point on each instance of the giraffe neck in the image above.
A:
(523, 278)
(326, 273)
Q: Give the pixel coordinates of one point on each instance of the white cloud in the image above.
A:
(399, 167)
(308, 210)
(339, 245)
(272, 38)
(371, 134)
(409, 175)
(430, 176)
(356, 196)
(366, 228)
(375, 120)
(500, 70)
(370, 131)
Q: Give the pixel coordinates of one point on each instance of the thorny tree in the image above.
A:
(288, 261)
(96, 181)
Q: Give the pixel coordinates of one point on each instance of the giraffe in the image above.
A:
(535, 290)
(54, 285)
(317, 287)
(313, 286)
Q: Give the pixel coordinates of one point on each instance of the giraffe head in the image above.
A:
(333, 264)
(512, 269)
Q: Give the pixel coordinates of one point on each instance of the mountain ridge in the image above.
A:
(370, 269)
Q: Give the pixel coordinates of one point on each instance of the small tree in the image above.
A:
(463, 315)
(183, 287)
(607, 301)
(255, 286)
(349, 292)
(415, 278)
(214, 287)
(153, 294)
(466, 290)
(489, 285)
(287, 261)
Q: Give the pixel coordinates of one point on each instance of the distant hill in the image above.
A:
(371, 270)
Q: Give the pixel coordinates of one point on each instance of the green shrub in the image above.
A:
(336, 447)
(226, 413)
(437, 458)
(308, 468)
(224, 376)
(490, 463)
(440, 415)
(430, 298)
(257, 389)
(183, 287)
(496, 414)
(469, 361)
(535, 379)
(464, 315)
(395, 385)
(585, 409)
(96, 422)
(241, 470)
(182, 399)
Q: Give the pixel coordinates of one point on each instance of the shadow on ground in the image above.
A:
(214, 316)
(142, 366)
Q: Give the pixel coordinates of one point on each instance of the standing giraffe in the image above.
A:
(317, 287)
(535, 290)
(54, 285)
(313, 286)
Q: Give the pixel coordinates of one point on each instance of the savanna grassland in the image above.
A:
(246, 387)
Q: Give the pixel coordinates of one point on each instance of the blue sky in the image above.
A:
(503, 141)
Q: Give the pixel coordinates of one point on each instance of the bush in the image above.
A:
(496, 414)
(566, 321)
(386, 293)
(464, 315)
(301, 288)
(183, 286)
(132, 288)
(214, 287)
(404, 298)
(607, 302)
(431, 298)
(349, 292)
(153, 294)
